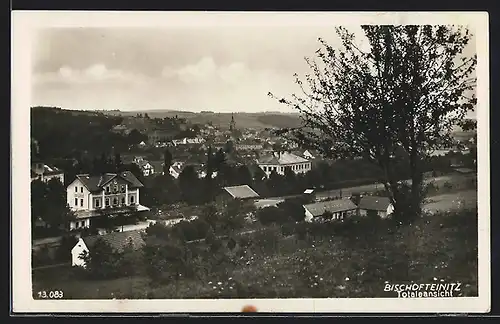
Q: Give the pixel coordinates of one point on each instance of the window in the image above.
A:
(123, 200)
(76, 189)
(123, 188)
(97, 202)
(76, 201)
(81, 202)
(107, 202)
(115, 201)
(115, 189)
(131, 199)
(81, 189)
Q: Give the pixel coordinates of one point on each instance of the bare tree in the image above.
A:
(405, 93)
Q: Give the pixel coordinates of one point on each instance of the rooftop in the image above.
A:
(282, 158)
(374, 203)
(241, 192)
(333, 206)
(96, 182)
(118, 240)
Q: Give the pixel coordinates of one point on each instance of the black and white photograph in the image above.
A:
(250, 162)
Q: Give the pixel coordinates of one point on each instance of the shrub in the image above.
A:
(272, 215)
(102, 262)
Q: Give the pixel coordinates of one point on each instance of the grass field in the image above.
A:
(435, 249)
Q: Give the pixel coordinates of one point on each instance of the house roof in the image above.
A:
(96, 183)
(46, 170)
(464, 170)
(157, 165)
(283, 158)
(176, 168)
(117, 240)
(143, 163)
(374, 203)
(241, 192)
(333, 206)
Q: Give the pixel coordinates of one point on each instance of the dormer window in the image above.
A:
(122, 188)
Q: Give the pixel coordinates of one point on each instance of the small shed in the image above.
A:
(379, 206)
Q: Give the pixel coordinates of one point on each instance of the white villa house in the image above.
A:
(110, 194)
(280, 161)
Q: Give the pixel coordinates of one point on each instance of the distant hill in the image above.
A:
(243, 120)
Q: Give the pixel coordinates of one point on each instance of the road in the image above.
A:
(452, 201)
(439, 181)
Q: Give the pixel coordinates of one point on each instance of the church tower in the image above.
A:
(232, 125)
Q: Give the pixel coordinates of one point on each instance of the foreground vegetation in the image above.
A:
(354, 259)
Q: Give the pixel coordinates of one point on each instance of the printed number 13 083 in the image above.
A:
(52, 294)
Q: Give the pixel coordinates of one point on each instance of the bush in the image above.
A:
(102, 262)
(272, 215)
(193, 230)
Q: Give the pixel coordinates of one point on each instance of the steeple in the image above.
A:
(232, 125)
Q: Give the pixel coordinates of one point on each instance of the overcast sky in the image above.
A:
(218, 69)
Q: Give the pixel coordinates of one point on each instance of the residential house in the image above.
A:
(242, 192)
(146, 167)
(376, 206)
(45, 172)
(280, 161)
(176, 168)
(117, 240)
(338, 209)
(109, 194)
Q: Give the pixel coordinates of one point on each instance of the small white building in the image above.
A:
(176, 168)
(379, 206)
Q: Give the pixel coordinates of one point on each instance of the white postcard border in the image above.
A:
(25, 23)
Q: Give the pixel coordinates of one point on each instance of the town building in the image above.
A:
(376, 206)
(280, 161)
(160, 136)
(110, 194)
(117, 240)
(335, 209)
(45, 173)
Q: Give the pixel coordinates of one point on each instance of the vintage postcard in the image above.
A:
(261, 161)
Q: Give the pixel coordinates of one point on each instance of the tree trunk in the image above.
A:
(416, 185)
